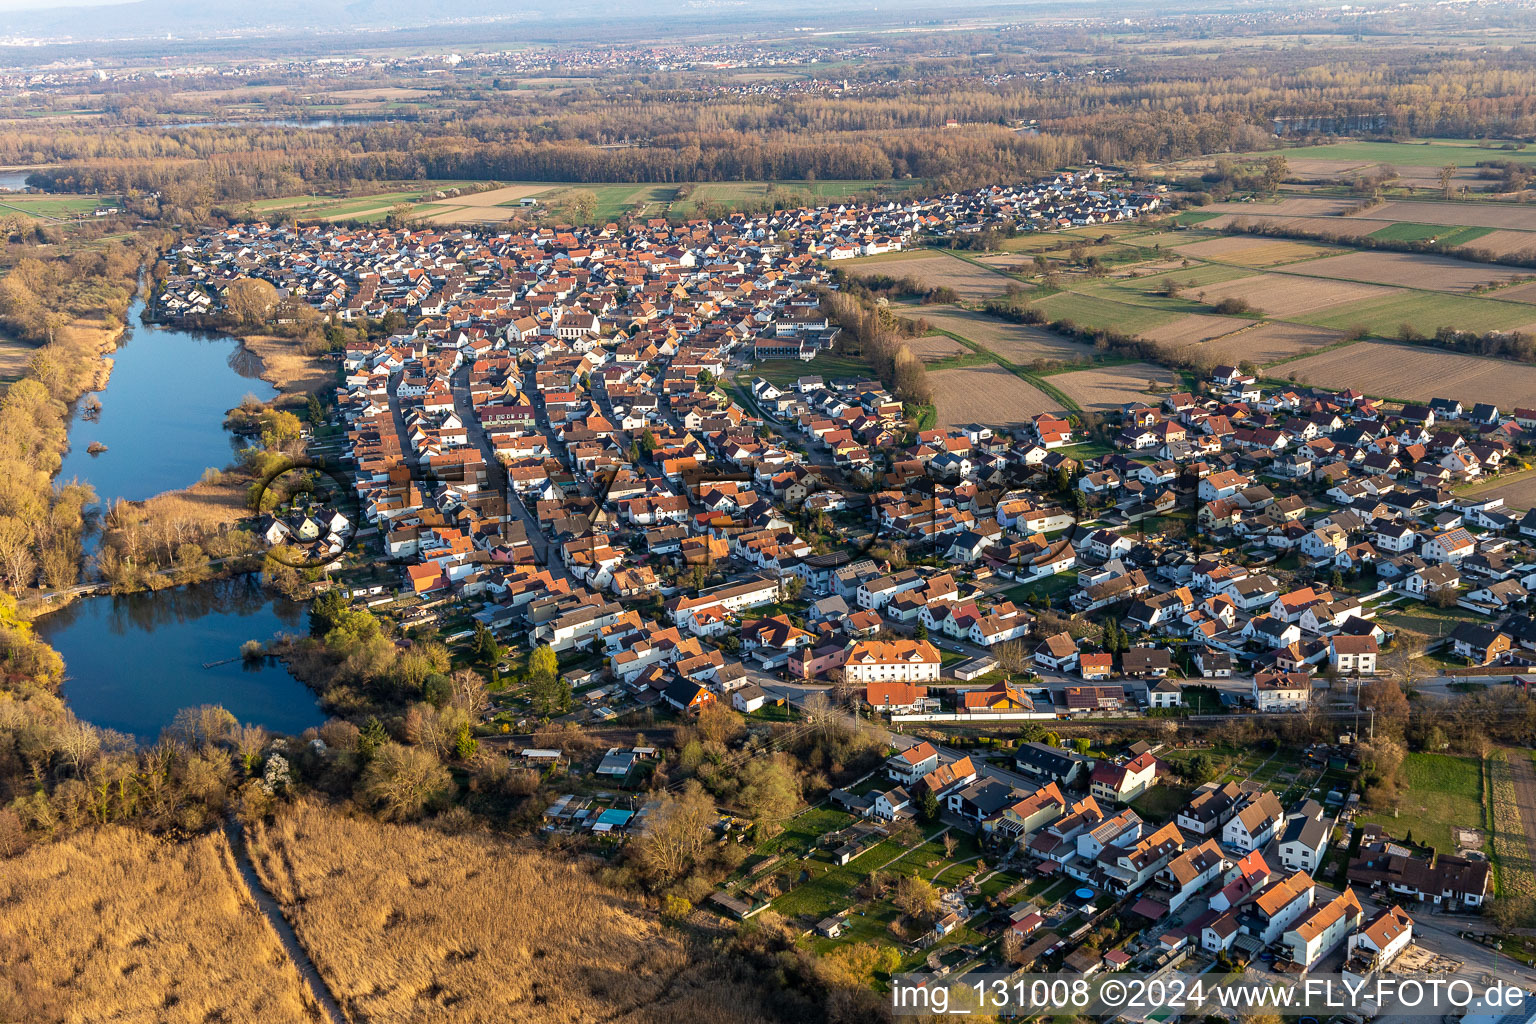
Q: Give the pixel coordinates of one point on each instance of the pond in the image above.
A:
(162, 414)
(132, 662)
(14, 181)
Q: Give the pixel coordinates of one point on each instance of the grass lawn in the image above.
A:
(1438, 791)
(1160, 803)
(832, 887)
(1196, 216)
(827, 366)
(729, 192)
(54, 206)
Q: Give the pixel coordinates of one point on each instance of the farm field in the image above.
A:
(937, 270)
(173, 935)
(935, 346)
(987, 394)
(1426, 311)
(1286, 206)
(730, 192)
(1269, 343)
(1411, 270)
(1284, 295)
(460, 928)
(1439, 792)
(1016, 343)
(1518, 492)
(1518, 293)
(1098, 311)
(1507, 243)
(1250, 251)
(1409, 232)
(1110, 387)
(1419, 153)
(1415, 373)
(53, 207)
(1193, 329)
(1475, 215)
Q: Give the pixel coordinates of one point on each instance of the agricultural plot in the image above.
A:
(1510, 816)
(1475, 215)
(1439, 792)
(731, 192)
(1110, 387)
(936, 270)
(1409, 232)
(1425, 311)
(46, 207)
(1416, 373)
(1507, 243)
(1293, 206)
(1016, 343)
(988, 394)
(1411, 270)
(1518, 293)
(1282, 295)
(935, 346)
(1519, 492)
(1267, 343)
(493, 206)
(1419, 153)
(1100, 312)
(1193, 329)
(1250, 251)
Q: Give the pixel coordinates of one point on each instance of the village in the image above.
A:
(648, 449)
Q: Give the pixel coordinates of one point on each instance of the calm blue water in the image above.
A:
(14, 180)
(132, 662)
(162, 413)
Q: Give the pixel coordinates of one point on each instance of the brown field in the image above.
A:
(1518, 492)
(207, 506)
(1112, 386)
(968, 280)
(1518, 293)
(935, 346)
(1503, 243)
(1297, 207)
(1017, 343)
(1337, 228)
(987, 394)
(1269, 343)
(382, 93)
(484, 207)
(1417, 373)
(116, 925)
(465, 928)
(1196, 327)
(1284, 295)
(1476, 215)
(1251, 252)
(1411, 270)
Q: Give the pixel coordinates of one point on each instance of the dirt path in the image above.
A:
(285, 934)
(1524, 778)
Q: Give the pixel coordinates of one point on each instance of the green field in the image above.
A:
(1426, 153)
(60, 207)
(731, 192)
(1099, 312)
(826, 365)
(1428, 311)
(1437, 792)
(1409, 232)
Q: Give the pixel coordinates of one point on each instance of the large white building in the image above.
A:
(885, 661)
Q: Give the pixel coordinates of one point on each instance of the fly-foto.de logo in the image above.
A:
(309, 514)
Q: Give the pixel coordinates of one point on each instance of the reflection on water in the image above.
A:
(132, 662)
(162, 412)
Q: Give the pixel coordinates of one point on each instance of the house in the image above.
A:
(1254, 822)
(1279, 906)
(1385, 864)
(1375, 946)
(1146, 662)
(1281, 691)
(688, 696)
(1045, 762)
(1188, 873)
(1482, 645)
(1322, 929)
(892, 804)
(1448, 546)
(881, 661)
(1123, 782)
(1058, 652)
(910, 765)
(895, 697)
(1353, 655)
(1304, 839)
(1209, 809)
(748, 698)
(1167, 693)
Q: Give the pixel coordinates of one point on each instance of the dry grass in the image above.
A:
(987, 394)
(1192, 329)
(1113, 386)
(1295, 207)
(206, 506)
(1503, 243)
(1411, 270)
(460, 928)
(117, 926)
(1268, 343)
(15, 356)
(287, 366)
(1016, 343)
(483, 207)
(939, 271)
(1519, 293)
(1283, 295)
(1417, 373)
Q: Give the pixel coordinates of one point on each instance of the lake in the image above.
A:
(132, 662)
(14, 181)
(162, 413)
(281, 122)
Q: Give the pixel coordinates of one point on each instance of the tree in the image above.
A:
(249, 301)
(928, 807)
(770, 793)
(484, 648)
(404, 781)
(916, 897)
(920, 633)
(324, 611)
(677, 830)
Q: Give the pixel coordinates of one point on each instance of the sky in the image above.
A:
(46, 5)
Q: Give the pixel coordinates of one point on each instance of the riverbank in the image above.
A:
(286, 366)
